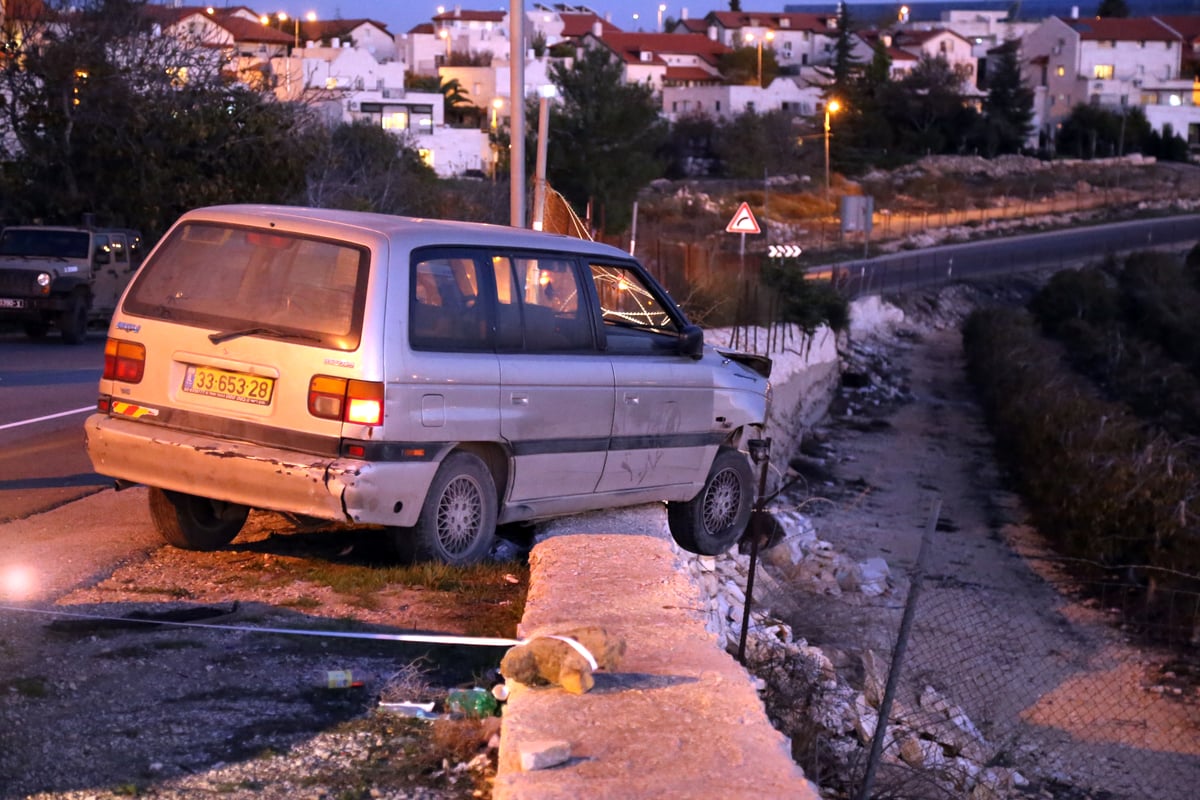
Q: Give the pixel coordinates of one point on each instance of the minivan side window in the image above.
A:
(553, 308)
(635, 320)
(446, 311)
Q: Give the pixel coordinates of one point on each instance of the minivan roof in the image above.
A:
(409, 231)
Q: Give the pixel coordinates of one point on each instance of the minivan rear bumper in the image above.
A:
(348, 490)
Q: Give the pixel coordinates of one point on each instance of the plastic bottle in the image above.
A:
(476, 703)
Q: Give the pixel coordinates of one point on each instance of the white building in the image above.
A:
(1115, 63)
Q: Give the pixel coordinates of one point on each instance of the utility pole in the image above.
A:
(516, 86)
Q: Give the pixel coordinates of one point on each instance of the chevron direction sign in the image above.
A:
(784, 250)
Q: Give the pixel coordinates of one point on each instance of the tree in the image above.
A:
(605, 135)
(844, 63)
(362, 167)
(1008, 107)
(1094, 132)
(104, 115)
(1113, 8)
(751, 145)
(740, 66)
(927, 108)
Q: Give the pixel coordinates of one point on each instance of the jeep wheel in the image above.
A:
(714, 520)
(74, 319)
(195, 523)
(457, 524)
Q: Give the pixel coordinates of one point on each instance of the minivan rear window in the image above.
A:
(263, 282)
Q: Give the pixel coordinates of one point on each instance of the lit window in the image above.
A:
(396, 121)
(1103, 72)
(1061, 71)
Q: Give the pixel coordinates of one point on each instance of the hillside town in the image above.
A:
(357, 69)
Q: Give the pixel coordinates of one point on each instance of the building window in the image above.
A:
(1103, 72)
(396, 121)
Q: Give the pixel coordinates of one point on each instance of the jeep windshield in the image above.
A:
(244, 282)
(44, 243)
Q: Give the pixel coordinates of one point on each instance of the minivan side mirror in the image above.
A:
(691, 341)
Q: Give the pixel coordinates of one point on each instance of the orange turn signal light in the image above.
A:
(124, 361)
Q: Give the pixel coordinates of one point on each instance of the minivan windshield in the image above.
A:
(245, 282)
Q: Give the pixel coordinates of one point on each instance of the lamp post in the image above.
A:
(444, 35)
(661, 8)
(831, 107)
(766, 37)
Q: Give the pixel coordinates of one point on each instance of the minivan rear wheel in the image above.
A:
(714, 520)
(195, 523)
(457, 524)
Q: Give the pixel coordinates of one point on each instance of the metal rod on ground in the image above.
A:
(760, 451)
(889, 692)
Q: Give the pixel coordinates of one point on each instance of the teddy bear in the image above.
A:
(546, 658)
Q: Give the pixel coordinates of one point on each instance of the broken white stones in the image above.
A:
(544, 753)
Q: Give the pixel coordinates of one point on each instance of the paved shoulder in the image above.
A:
(46, 555)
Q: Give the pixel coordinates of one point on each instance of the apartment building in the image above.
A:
(1116, 64)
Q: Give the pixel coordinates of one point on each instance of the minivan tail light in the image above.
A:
(358, 402)
(124, 361)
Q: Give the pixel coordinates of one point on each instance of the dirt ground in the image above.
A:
(1058, 690)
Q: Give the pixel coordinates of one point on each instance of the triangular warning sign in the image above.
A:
(743, 221)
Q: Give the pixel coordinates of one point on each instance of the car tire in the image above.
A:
(716, 518)
(195, 523)
(457, 524)
(73, 319)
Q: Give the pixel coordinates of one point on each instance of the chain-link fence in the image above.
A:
(983, 699)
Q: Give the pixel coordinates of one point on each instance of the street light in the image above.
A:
(768, 36)
(661, 8)
(444, 35)
(831, 107)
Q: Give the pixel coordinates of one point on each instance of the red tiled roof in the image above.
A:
(424, 27)
(27, 10)
(630, 46)
(243, 30)
(471, 16)
(692, 25)
(322, 29)
(1123, 29)
(576, 25)
(689, 74)
(772, 19)
(1187, 26)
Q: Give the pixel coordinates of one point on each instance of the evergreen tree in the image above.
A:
(1008, 107)
(1113, 8)
(605, 135)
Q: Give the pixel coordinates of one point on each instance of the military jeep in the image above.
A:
(63, 277)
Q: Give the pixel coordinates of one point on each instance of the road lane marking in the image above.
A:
(19, 423)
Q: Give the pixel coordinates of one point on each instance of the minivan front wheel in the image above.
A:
(195, 523)
(714, 520)
(457, 524)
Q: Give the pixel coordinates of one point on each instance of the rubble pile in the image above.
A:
(804, 693)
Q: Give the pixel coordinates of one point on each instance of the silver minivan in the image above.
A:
(433, 378)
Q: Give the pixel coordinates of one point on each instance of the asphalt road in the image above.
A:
(47, 389)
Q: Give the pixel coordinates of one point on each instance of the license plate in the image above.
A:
(11, 302)
(237, 386)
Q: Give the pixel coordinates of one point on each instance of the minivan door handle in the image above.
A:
(520, 399)
(632, 399)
